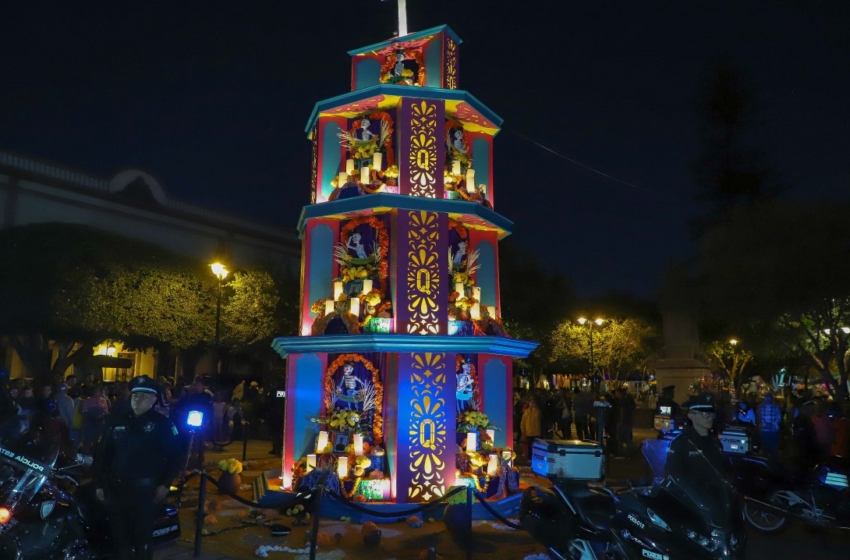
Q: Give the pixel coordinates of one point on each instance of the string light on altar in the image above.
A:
(471, 441)
(349, 167)
(367, 285)
(342, 467)
(355, 307)
(358, 445)
(322, 441)
(311, 462)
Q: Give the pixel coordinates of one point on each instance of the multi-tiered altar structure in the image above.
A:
(401, 337)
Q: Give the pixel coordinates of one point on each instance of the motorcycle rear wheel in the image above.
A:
(765, 519)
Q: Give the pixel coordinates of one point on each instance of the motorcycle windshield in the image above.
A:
(26, 461)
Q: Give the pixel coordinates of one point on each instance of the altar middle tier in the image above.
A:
(386, 263)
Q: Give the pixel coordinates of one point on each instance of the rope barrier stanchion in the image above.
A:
(199, 518)
(317, 510)
(244, 440)
(496, 514)
(469, 523)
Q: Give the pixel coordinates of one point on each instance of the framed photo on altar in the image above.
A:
(340, 443)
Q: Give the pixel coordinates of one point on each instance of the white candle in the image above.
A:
(364, 174)
(329, 306)
(322, 441)
(349, 166)
(455, 167)
(475, 311)
(355, 308)
(493, 465)
(470, 180)
(459, 289)
(358, 444)
(491, 311)
(337, 290)
(471, 441)
(343, 179)
(476, 293)
(367, 285)
(311, 462)
(377, 160)
(342, 467)
(492, 435)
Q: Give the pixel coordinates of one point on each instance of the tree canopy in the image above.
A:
(619, 345)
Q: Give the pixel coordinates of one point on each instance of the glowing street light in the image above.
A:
(220, 271)
(598, 321)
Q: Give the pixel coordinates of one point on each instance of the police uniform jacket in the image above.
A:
(140, 450)
(697, 461)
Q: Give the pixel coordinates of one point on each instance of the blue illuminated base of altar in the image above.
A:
(268, 495)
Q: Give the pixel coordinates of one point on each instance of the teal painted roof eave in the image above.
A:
(345, 343)
(402, 91)
(408, 37)
(404, 202)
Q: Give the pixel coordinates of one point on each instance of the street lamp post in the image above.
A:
(220, 271)
(599, 322)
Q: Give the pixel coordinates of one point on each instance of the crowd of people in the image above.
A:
(552, 414)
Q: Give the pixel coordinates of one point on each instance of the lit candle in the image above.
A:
(329, 306)
(342, 467)
(491, 311)
(493, 465)
(377, 160)
(455, 167)
(471, 441)
(364, 174)
(367, 285)
(475, 311)
(349, 166)
(337, 290)
(470, 180)
(355, 308)
(358, 444)
(476, 293)
(343, 179)
(322, 442)
(311, 462)
(459, 289)
(492, 435)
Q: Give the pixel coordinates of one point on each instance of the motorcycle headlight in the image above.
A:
(710, 544)
(656, 520)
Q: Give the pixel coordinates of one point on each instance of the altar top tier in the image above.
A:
(426, 58)
(404, 128)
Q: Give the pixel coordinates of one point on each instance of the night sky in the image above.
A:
(212, 99)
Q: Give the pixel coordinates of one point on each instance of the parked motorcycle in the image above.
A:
(776, 495)
(45, 512)
(574, 520)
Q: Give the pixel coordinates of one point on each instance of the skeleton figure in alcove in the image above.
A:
(465, 385)
(355, 245)
(350, 386)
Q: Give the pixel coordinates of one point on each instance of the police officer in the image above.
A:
(139, 456)
(696, 466)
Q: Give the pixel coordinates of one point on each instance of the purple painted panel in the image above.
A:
(421, 133)
(425, 466)
(422, 272)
